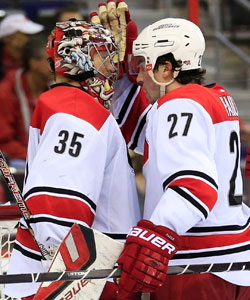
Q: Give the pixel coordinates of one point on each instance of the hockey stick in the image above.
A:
(14, 189)
(114, 273)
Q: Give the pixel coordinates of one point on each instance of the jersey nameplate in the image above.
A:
(229, 105)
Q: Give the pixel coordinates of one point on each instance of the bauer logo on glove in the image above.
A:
(153, 238)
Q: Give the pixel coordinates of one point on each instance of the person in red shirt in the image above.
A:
(19, 92)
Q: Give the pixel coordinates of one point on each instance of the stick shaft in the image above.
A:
(113, 273)
(17, 195)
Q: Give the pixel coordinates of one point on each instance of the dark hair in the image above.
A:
(52, 64)
(184, 77)
(34, 48)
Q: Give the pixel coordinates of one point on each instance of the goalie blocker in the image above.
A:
(83, 248)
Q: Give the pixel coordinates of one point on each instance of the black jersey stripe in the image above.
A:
(138, 132)
(210, 85)
(211, 253)
(26, 172)
(189, 198)
(60, 191)
(34, 220)
(116, 236)
(189, 173)
(28, 253)
(221, 228)
(126, 104)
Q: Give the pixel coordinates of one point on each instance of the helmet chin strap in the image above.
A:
(161, 84)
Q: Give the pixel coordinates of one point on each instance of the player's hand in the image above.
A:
(116, 18)
(145, 258)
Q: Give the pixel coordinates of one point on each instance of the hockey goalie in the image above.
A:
(77, 168)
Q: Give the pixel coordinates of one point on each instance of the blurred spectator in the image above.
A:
(68, 12)
(19, 92)
(15, 30)
(244, 133)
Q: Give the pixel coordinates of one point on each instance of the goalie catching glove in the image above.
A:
(145, 258)
(116, 18)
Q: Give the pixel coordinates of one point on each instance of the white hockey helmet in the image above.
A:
(178, 36)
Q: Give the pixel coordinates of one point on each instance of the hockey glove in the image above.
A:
(116, 18)
(109, 292)
(145, 257)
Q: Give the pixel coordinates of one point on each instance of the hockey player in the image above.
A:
(193, 201)
(77, 169)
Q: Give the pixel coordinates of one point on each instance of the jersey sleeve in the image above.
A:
(184, 143)
(130, 107)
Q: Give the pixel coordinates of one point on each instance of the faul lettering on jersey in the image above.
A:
(229, 105)
(153, 238)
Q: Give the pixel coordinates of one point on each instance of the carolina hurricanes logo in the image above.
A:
(149, 67)
(187, 62)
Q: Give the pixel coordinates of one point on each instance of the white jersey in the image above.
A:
(193, 177)
(77, 171)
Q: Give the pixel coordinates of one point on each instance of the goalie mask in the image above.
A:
(72, 46)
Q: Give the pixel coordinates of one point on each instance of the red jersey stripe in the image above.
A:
(61, 207)
(216, 240)
(24, 237)
(203, 191)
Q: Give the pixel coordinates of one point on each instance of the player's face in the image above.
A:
(102, 62)
(143, 78)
